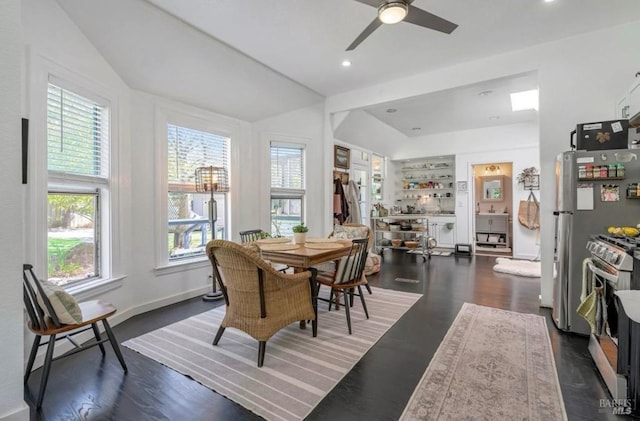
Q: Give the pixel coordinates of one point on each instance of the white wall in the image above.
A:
(12, 405)
(573, 89)
(143, 282)
(516, 143)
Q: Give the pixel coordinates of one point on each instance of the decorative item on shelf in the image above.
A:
(300, 233)
(530, 179)
(214, 180)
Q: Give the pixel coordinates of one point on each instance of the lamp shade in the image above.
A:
(212, 179)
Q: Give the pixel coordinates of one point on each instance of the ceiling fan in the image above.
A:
(395, 11)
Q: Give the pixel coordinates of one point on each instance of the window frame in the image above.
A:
(42, 72)
(288, 193)
(189, 117)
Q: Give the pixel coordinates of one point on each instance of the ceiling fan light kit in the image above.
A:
(392, 12)
(396, 11)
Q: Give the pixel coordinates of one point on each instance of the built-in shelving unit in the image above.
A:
(426, 184)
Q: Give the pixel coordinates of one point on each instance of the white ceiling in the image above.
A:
(181, 50)
(306, 39)
(474, 106)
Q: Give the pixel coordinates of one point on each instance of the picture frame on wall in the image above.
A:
(341, 157)
(462, 186)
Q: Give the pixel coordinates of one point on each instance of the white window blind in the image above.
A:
(77, 134)
(287, 168)
(188, 149)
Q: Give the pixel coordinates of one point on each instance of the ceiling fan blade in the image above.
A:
(372, 3)
(429, 20)
(367, 31)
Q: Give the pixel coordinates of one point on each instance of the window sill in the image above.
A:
(182, 266)
(96, 287)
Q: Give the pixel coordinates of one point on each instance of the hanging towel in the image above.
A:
(586, 278)
(588, 309)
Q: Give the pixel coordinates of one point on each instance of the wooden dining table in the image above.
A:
(302, 258)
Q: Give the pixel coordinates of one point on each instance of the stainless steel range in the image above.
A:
(612, 267)
(612, 258)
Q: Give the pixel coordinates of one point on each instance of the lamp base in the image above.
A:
(213, 296)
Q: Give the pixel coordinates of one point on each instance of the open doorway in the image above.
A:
(493, 219)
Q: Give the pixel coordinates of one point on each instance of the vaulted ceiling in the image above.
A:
(255, 58)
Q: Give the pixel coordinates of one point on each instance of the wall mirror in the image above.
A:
(492, 189)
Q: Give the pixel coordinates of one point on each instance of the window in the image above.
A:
(188, 215)
(287, 188)
(78, 146)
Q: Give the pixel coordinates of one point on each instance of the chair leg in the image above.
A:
(346, 310)
(114, 344)
(368, 288)
(32, 357)
(336, 297)
(218, 335)
(351, 297)
(46, 369)
(364, 305)
(262, 345)
(96, 333)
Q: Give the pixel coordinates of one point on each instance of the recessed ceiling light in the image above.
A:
(485, 93)
(494, 117)
(525, 100)
(346, 63)
(416, 128)
(392, 110)
(549, 1)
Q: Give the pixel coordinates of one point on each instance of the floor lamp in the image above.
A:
(214, 180)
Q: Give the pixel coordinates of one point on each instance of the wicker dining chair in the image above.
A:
(260, 300)
(61, 317)
(348, 276)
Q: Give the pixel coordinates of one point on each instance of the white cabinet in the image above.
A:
(622, 108)
(442, 228)
(634, 101)
(492, 230)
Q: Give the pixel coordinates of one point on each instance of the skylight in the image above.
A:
(525, 100)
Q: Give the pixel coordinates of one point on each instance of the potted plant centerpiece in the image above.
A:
(300, 233)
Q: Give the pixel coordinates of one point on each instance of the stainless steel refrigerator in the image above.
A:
(585, 207)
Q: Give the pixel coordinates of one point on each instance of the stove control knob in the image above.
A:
(616, 259)
(610, 256)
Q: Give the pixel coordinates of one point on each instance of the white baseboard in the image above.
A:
(119, 317)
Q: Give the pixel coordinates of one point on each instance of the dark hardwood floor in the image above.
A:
(86, 387)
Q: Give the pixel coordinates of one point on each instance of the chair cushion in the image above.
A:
(342, 276)
(64, 305)
(373, 264)
(349, 233)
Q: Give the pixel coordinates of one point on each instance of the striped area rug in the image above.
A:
(298, 370)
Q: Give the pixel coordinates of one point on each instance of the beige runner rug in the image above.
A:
(492, 365)
(299, 370)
